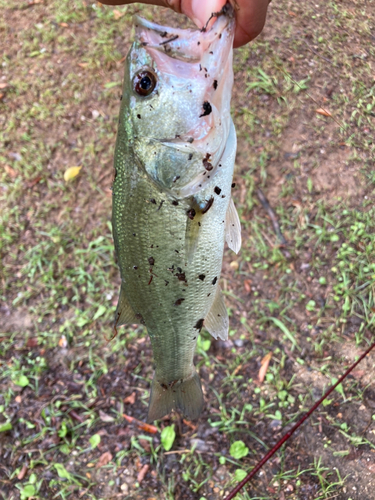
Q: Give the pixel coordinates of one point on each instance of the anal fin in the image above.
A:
(124, 313)
(216, 321)
(233, 228)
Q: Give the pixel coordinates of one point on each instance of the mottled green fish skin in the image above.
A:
(169, 245)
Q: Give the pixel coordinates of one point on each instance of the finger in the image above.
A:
(200, 11)
(163, 3)
(250, 18)
(250, 15)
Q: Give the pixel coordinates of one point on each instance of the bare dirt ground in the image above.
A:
(304, 110)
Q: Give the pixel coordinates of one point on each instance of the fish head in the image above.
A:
(177, 96)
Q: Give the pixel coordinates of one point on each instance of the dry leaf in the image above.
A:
(142, 473)
(145, 445)
(63, 342)
(3, 85)
(83, 65)
(22, 473)
(104, 417)
(71, 172)
(64, 25)
(247, 285)
(323, 111)
(264, 366)
(77, 417)
(10, 171)
(234, 265)
(34, 181)
(104, 459)
(130, 399)
(117, 14)
(32, 342)
(236, 370)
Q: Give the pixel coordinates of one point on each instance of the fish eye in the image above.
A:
(144, 83)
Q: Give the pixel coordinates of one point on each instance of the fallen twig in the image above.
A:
(267, 207)
(142, 425)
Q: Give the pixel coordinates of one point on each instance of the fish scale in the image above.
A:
(169, 237)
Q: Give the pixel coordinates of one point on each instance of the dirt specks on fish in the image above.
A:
(214, 280)
(140, 317)
(151, 261)
(181, 276)
(199, 324)
(172, 39)
(207, 165)
(207, 109)
(191, 213)
(208, 205)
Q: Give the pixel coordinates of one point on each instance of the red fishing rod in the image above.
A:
(288, 434)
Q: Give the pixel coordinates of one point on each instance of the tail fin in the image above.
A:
(185, 395)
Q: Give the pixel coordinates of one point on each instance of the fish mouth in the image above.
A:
(195, 55)
(187, 44)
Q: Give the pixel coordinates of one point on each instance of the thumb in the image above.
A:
(200, 11)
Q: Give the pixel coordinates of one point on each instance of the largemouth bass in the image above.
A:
(172, 206)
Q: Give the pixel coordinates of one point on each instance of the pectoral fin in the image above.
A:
(216, 321)
(233, 228)
(124, 313)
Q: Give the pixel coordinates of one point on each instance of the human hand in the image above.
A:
(250, 16)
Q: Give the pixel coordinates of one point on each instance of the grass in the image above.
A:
(309, 303)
